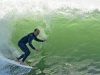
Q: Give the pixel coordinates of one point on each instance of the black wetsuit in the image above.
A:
(22, 44)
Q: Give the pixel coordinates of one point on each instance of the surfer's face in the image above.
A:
(37, 32)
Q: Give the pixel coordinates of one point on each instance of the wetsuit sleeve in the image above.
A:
(38, 40)
(30, 42)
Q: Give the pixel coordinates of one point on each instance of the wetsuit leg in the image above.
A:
(27, 52)
(21, 56)
(24, 48)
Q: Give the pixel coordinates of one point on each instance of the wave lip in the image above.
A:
(24, 6)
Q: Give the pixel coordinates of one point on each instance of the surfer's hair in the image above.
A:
(36, 29)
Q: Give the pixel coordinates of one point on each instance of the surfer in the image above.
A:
(28, 39)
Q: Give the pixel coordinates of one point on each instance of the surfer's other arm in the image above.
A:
(30, 43)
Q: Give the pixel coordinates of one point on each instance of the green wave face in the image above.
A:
(72, 43)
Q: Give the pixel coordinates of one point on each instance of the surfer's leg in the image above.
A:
(25, 56)
(27, 52)
(22, 47)
(20, 57)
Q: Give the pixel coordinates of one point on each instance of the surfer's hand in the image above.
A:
(36, 50)
(44, 40)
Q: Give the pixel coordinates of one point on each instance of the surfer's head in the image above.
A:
(36, 32)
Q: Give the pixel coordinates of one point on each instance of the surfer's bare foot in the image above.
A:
(22, 63)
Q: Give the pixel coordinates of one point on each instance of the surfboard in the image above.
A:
(18, 64)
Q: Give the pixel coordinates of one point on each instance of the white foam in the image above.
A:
(8, 67)
(44, 6)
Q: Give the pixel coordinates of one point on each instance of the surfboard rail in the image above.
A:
(18, 64)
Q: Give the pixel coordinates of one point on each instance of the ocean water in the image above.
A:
(71, 28)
